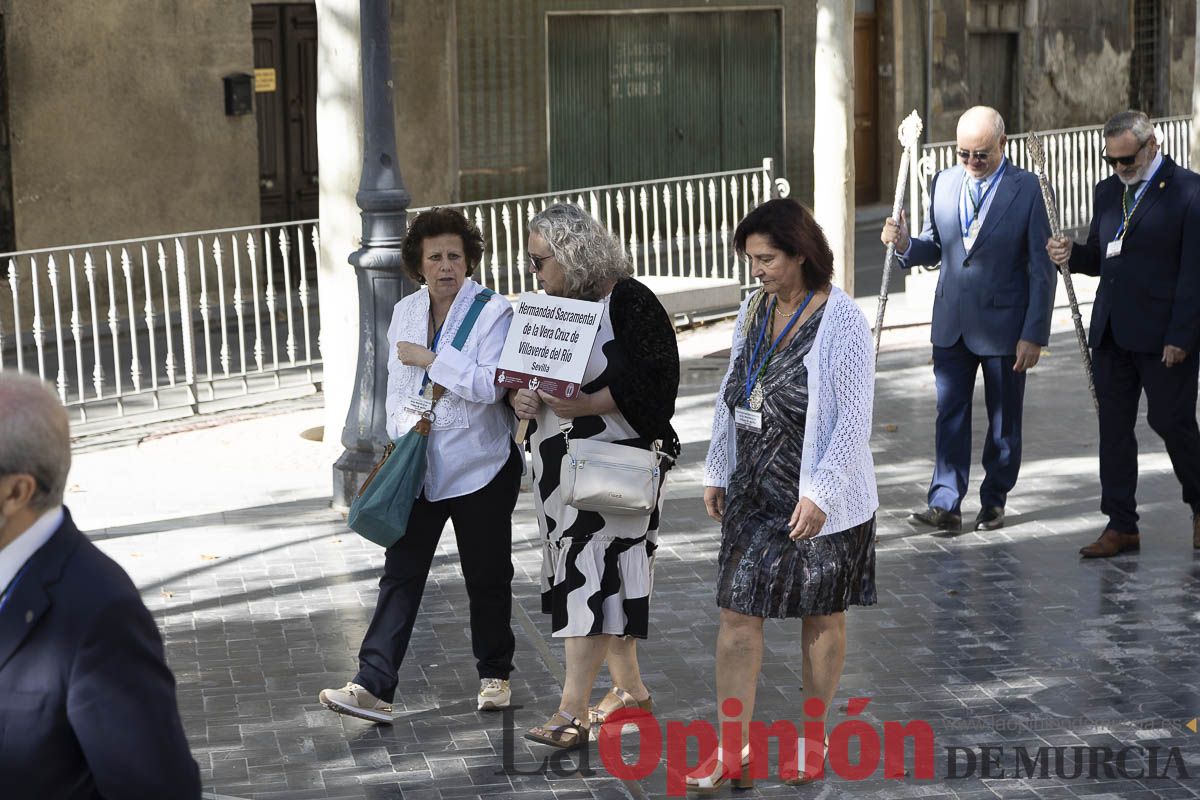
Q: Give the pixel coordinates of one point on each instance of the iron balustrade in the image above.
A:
(143, 325)
(189, 321)
(1074, 165)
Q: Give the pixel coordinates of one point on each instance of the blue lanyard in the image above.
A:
(436, 335)
(753, 369)
(976, 210)
(12, 586)
(1137, 198)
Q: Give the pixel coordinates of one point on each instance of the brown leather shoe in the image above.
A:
(1110, 543)
(1196, 531)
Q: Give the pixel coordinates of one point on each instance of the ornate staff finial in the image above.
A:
(909, 134)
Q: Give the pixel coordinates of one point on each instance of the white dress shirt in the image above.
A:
(472, 431)
(21, 549)
(966, 207)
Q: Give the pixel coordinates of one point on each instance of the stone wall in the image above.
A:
(117, 119)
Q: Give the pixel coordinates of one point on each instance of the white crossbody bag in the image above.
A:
(609, 478)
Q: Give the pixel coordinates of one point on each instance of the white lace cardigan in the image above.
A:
(836, 469)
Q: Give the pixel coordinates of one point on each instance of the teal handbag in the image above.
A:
(380, 510)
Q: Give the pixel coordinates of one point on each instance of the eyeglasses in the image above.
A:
(535, 262)
(977, 155)
(1112, 161)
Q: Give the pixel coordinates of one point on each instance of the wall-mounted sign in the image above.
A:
(264, 80)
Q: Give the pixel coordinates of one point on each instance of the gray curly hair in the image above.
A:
(591, 258)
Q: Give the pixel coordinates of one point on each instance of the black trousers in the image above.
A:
(1121, 376)
(483, 527)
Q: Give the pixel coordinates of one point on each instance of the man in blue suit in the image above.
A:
(87, 703)
(987, 226)
(1144, 243)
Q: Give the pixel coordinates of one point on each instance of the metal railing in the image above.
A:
(1073, 164)
(677, 227)
(143, 325)
(191, 320)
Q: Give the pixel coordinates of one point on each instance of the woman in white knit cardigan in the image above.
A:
(789, 476)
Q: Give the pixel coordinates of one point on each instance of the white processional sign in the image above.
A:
(548, 344)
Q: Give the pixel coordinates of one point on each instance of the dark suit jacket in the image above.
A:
(1150, 294)
(87, 703)
(1001, 290)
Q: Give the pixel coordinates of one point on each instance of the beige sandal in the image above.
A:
(711, 775)
(796, 775)
(616, 699)
(565, 737)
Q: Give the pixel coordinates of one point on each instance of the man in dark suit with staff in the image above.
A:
(991, 311)
(1144, 244)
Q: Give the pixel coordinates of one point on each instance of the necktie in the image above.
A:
(1131, 196)
(977, 191)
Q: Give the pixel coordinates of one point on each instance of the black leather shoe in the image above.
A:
(939, 518)
(990, 518)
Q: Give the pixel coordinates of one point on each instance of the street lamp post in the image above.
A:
(381, 282)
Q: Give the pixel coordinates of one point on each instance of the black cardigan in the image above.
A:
(643, 363)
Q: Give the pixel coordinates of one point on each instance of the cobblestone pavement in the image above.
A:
(1003, 639)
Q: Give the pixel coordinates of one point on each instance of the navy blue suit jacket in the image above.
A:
(87, 703)
(1002, 290)
(1150, 293)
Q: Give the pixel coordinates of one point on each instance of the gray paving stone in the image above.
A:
(1003, 639)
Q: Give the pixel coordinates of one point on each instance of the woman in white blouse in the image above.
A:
(474, 468)
(789, 476)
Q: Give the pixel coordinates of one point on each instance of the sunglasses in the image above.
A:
(535, 262)
(1112, 161)
(977, 155)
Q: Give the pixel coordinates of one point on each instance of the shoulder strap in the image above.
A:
(464, 330)
(425, 423)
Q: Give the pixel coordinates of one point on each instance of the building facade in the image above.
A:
(147, 117)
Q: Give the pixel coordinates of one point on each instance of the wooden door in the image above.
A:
(285, 41)
(866, 126)
(992, 73)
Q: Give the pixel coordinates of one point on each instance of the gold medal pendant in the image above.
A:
(756, 397)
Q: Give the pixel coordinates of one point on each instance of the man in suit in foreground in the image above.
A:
(87, 703)
(1144, 243)
(987, 225)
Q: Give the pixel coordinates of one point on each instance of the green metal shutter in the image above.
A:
(641, 96)
(637, 118)
(579, 89)
(694, 134)
(751, 89)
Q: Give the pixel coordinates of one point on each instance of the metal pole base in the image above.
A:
(349, 472)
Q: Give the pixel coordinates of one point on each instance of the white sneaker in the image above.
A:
(356, 701)
(494, 694)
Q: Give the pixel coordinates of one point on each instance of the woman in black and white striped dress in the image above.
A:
(597, 568)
